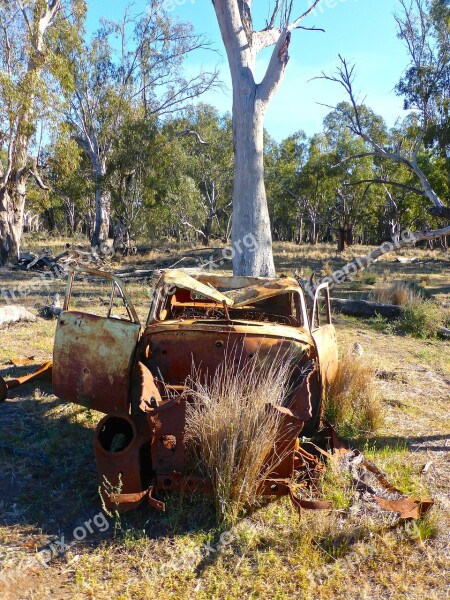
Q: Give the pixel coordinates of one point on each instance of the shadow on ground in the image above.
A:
(48, 480)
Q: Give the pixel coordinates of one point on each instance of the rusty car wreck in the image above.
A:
(136, 374)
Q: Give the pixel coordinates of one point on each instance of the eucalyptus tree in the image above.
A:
(284, 163)
(30, 33)
(424, 27)
(355, 203)
(131, 69)
(210, 164)
(243, 43)
(316, 188)
(70, 186)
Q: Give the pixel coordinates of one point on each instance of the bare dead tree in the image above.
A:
(344, 76)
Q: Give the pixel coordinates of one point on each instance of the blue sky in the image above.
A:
(363, 31)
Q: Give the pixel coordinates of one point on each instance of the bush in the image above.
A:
(383, 325)
(353, 402)
(422, 320)
(230, 433)
(369, 278)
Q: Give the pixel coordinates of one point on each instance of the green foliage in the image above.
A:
(424, 28)
(105, 114)
(422, 320)
(383, 325)
(125, 80)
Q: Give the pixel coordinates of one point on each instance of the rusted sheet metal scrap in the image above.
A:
(136, 374)
(44, 371)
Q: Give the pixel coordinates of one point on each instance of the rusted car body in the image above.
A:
(136, 374)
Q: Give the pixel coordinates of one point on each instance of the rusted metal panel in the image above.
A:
(144, 391)
(44, 371)
(167, 422)
(327, 351)
(3, 390)
(262, 291)
(93, 360)
(139, 378)
(171, 353)
(227, 282)
(183, 280)
(245, 327)
(123, 457)
(237, 292)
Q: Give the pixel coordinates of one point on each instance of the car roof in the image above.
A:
(236, 291)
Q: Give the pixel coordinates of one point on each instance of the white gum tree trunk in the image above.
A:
(102, 204)
(250, 212)
(250, 100)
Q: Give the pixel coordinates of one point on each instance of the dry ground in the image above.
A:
(48, 484)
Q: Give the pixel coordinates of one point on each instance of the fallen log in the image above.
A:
(14, 314)
(363, 308)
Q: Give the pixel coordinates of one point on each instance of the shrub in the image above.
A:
(422, 320)
(369, 278)
(230, 433)
(383, 325)
(353, 402)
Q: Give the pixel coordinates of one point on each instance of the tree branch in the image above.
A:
(185, 222)
(406, 187)
(275, 70)
(303, 16)
(344, 77)
(191, 132)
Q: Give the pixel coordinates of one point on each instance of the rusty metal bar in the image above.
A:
(104, 275)
(315, 310)
(111, 300)
(13, 384)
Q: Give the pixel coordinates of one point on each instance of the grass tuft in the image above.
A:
(353, 402)
(383, 325)
(337, 486)
(230, 433)
(398, 293)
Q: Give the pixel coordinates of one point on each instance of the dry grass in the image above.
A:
(353, 401)
(398, 293)
(421, 318)
(231, 433)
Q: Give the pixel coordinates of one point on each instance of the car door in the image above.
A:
(94, 355)
(324, 335)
